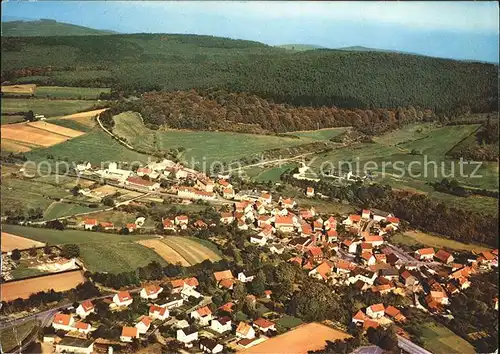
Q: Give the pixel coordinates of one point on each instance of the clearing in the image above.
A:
(166, 252)
(191, 250)
(70, 92)
(49, 108)
(320, 134)
(11, 242)
(411, 238)
(25, 287)
(299, 340)
(440, 340)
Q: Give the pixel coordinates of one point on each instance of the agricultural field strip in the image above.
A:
(165, 251)
(25, 133)
(55, 129)
(198, 246)
(193, 253)
(10, 242)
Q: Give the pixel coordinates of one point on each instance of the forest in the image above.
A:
(139, 63)
(482, 146)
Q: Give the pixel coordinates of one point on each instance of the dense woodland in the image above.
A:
(146, 62)
(210, 109)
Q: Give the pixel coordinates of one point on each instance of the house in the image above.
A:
(144, 324)
(330, 223)
(393, 221)
(227, 283)
(375, 311)
(143, 171)
(352, 220)
(242, 225)
(365, 247)
(284, 223)
(268, 293)
(179, 284)
(264, 325)
(322, 271)
(129, 333)
(444, 256)
(181, 220)
(362, 274)
(314, 254)
(131, 227)
(380, 215)
(151, 291)
(227, 307)
(343, 267)
(394, 314)
(158, 312)
(210, 346)
(89, 224)
(408, 279)
(203, 315)
(63, 322)
(228, 193)
(169, 225)
(424, 254)
(299, 243)
(123, 298)
(359, 317)
(75, 345)
(245, 278)
(245, 331)
(331, 235)
(277, 248)
(107, 225)
(205, 184)
(258, 240)
(200, 224)
(350, 245)
(265, 197)
(287, 203)
(389, 273)
(368, 258)
(83, 167)
(221, 324)
(225, 274)
(365, 214)
(381, 258)
(310, 192)
(85, 308)
(226, 218)
(83, 327)
(375, 240)
(187, 335)
(142, 183)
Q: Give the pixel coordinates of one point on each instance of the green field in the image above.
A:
(287, 322)
(100, 252)
(201, 147)
(321, 134)
(24, 272)
(69, 92)
(271, 174)
(9, 336)
(192, 250)
(95, 147)
(72, 124)
(49, 108)
(412, 238)
(440, 340)
(12, 119)
(58, 210)
(119, 218)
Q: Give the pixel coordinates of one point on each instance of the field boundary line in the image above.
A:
(462, 140)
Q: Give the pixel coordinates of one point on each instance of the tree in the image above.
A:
(70, 251)
(29, 116)
(47, 249)
(16, 254)
(108, 201)
(239, 291)
(258, 285)
(33, 251)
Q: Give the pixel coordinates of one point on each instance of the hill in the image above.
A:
(300, 47)
(45, 27)
(358, 48)
(346, 79)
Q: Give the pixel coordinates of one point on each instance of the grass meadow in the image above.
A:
(69, 92)
(49, 108)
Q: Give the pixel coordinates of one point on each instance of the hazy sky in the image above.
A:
(461, 30)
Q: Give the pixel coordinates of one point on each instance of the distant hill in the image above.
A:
(300, 47)
(359, 48)
(45, 28)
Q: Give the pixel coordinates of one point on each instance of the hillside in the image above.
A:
(145, 62)
(45, 27)
(300, 47)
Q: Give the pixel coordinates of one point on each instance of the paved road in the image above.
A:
(411, 347)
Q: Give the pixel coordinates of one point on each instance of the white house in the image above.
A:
(83, 166)
(264, 325)
(129, 333)
(143, 324)
(284, 223)
(258, 240)
(187, 292)
(221, 324)
(158, 312)
(277, 248)
(310, 192)
(89, 224)
(151, 291)
(425, 254)
(203, 315)
(63, 322)
(187, 335)
(245, 278)
(365, 214)
(85, 308)
(123, 298)
(210, 346)
(245, 331)
(75, 345)
(375, 311)
(83, 327)
(379, 215)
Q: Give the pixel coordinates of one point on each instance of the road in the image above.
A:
(408, 259)
(269, 162)
(411, 347)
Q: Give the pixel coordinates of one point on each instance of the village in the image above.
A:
(353, 250)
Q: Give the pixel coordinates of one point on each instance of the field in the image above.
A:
(11, 242)
(440, 340)
(411, 238)
(119, 218)
(24, 288)
(187, 250)
(299, 340)
(320, 134)
(70, 92)
(8, 119)
(9, 335)
(287, 322)
(95, 147)
(166, 252)
(57, 210)
(8, 146)
(200, 146)
(27, 89)
(264, 174)
(49, 108)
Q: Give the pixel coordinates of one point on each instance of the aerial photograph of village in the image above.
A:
(282, 177)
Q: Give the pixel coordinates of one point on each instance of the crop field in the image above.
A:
(8, 119)
(70, 92)
(95, 147)
(12, 146)
(411, 238)
(117, 257)
(440, 340)
(59, 209)
(118, 218)
(273, 174)
(9, 335)
(56, 129)
(84, 125)
(300, 339)
(49, 108)
(11, 242)
(320, 134)
(191, 250)
(26, 89)
(25, 287)
(166, 252)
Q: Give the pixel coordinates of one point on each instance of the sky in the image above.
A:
(458, 30)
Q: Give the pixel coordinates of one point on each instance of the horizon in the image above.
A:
(469, 31)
